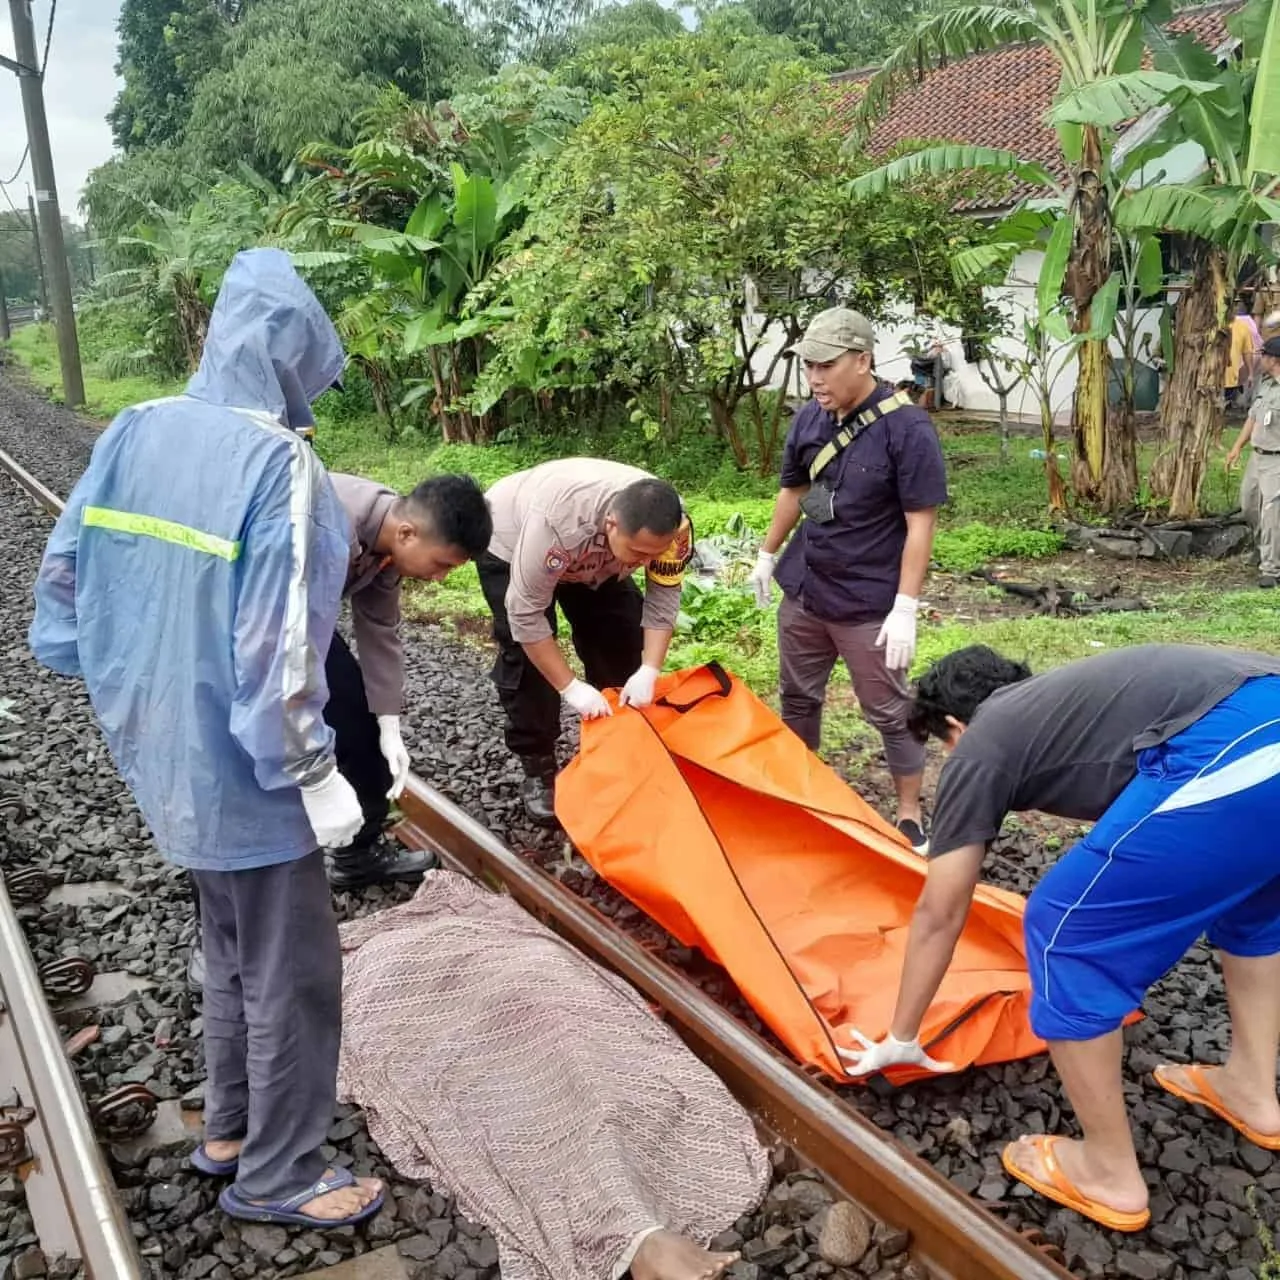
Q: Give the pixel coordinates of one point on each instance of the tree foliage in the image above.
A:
(18, 266)
(690, 226)
(165, 49)
(417, 213)
(296, 70)
(1224, 213)
(1099, 46)
(852, 33)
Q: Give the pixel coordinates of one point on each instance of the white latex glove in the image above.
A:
(394, 752)
(875, 1055)
(333, 811)
(761, 577)
(638, 691)
(898, 634)
(586, 700)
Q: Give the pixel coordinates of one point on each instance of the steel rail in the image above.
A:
(952, 1236)
(69, 1189)
(70, 1193)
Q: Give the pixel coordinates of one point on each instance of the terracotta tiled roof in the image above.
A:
(997, 98)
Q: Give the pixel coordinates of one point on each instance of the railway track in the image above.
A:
(953, 1238)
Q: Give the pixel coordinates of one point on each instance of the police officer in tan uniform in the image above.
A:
(572, 533)
(1260, 489)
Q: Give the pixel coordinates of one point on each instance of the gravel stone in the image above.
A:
(78, 820)
(845, 1236)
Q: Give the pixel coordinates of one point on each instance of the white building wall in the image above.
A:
(896, 340)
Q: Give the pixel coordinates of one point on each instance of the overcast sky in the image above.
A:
(79, 88)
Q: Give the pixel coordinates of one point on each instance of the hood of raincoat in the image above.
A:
(270, 343)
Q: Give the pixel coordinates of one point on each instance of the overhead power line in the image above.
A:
(44, 64)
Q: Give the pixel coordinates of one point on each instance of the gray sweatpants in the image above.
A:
(807, 651)
(1260, 499)
(272, 1019)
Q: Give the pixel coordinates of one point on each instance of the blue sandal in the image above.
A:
(203, 1162)
(286, 1212)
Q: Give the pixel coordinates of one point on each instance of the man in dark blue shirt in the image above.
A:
(864, 467)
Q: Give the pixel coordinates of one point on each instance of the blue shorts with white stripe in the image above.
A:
(1190, 847)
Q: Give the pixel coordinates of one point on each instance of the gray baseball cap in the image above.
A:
(833, 332)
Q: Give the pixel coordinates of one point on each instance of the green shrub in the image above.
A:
(974, 545)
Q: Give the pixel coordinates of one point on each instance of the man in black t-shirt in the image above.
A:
(1174, 752)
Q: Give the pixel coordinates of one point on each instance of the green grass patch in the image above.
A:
(973, 545)
(37, 350)
(996, 513)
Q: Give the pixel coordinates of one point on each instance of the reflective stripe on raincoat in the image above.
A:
(195, 577)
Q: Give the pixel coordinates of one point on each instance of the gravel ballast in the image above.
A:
(1207, 1182)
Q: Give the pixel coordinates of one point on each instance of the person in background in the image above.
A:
(572, 533)
(422, 535)
(193, 581)
(1241, 354)
(1260, 487)
(863, 478)
(1173, 751)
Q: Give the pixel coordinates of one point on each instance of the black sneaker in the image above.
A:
(383, 862)
(1266, 582)
(915, 834)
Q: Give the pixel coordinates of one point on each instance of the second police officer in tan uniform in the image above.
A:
(422, 535)
(572, 533)
(1260, 488)
(1262, 466)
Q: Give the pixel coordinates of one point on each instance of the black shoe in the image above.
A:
(195, 969)
(915, 834)
(538, 790)
(382, 862)
(1266, 582)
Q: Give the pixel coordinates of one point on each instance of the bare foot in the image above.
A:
(342, 1203)
(1121, 1190)
(663, 1255)
(1261, 1114)
(222, 1151)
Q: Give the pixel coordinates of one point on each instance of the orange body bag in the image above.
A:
(710, 815)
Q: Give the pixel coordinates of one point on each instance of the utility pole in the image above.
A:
(5, 332)
(50, 217)
(35, 240)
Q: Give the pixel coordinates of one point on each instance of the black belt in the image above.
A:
(1268, 453)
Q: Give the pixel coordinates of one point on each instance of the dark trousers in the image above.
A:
(360, 758)
(807, 651)
(355, 729)
(272, 1019)
(605, 623)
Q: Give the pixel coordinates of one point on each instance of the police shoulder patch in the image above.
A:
(557, 560)
(667, 570)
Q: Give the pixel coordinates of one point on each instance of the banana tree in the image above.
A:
(1098, 45)
(417, 305)
(1223, 213)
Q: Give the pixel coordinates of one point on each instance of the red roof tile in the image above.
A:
(997, 98)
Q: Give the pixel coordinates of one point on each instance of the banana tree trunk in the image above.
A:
(1087, 271)
(192, 318)
(1191, 411)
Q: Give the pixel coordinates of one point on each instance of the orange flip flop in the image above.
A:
(1203, 1094)
(1060, 1189)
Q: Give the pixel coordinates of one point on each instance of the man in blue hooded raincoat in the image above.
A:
(194, 582)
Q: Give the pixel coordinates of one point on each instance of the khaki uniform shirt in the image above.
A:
(1265, 412)
(548, 525)
(374, 588)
